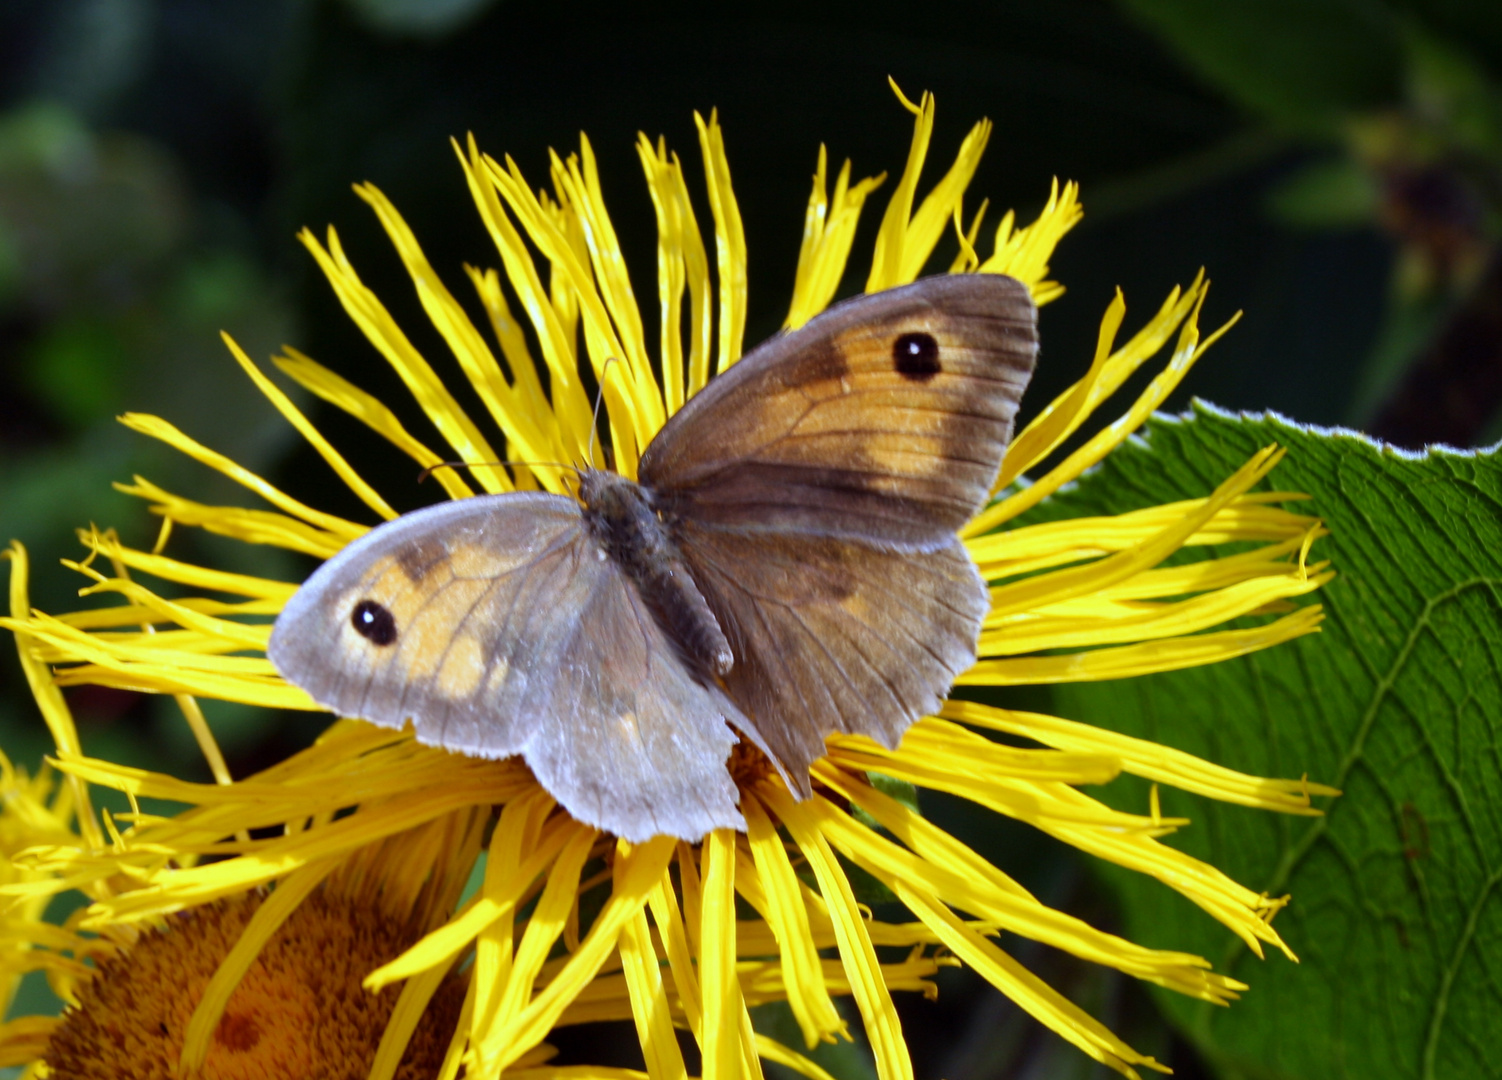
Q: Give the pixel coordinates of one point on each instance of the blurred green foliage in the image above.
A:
(1334, 164)
(1400, 109)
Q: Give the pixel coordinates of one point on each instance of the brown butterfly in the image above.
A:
(785, 567)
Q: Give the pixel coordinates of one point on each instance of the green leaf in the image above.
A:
(1301, 64)
(1397, 892)
(76, 367)
(1456, 90)
(1331, 193)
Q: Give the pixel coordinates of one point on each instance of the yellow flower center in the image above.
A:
(299, 1011)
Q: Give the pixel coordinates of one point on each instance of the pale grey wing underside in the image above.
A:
(514, 635)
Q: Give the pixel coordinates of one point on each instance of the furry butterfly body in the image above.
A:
(785, 566)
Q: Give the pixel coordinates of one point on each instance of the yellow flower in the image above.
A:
(34, 811)
(298, 1010)
(565, 925)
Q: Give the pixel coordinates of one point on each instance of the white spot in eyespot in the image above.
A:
(600, 554)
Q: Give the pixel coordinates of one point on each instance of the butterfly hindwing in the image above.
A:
(629, 738)
(831, 635)
(884, 418)
(497, 628)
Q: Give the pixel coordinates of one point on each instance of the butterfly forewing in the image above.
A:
(495, 625)
(884, 419)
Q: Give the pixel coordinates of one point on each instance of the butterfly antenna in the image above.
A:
(594, 422)
(431, 469)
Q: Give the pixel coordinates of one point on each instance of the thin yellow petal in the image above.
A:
(514, 347)
(294, 416)
(701, 294)
(1243, 912)
(891, 239)
(941, 204)
(186, 574)
(1125, 661)
(670, 925)
(638, 873)
(1099, 621)
(828, 233)
(371, 316)
(649, 1003)
(343, 394)
(967, 261)
(966, 881)
(24, 1040)
(44, 689)
(1057, 543)
(1186, 352)
(805, 821)
(406, 1015)
(174, 889)
(157, 428)
(581, 180)
(1031, 993)
(949, 747)
(722, 1057)
(521, 849)
(543, 929)
(576, 1072)
(1024, 254)
(1026, 800)
(730, 239)
(152, 668)
(1028, 594)
(225, 634)
(761, 980)
(1062, 417)
(239, 523)
(774, 1051)
(1147, 759)
(632, 415)
(1269, 560)
(571, 406)
(191, 649)
(508, 874)
(672, 274)
(807, 995)
(527, 440)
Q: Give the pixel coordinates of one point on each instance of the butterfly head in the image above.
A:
(619, 515)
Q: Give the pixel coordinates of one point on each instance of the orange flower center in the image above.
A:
(298, 1012)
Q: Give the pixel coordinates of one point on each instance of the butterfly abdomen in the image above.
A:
(623, 524)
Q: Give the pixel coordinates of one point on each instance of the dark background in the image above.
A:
(1334, 166)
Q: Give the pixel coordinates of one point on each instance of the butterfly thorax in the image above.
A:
(627, 530)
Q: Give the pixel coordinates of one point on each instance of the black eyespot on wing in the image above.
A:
(373, 622)
(916, 356)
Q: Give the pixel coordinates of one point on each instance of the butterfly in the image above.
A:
(784, 567)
